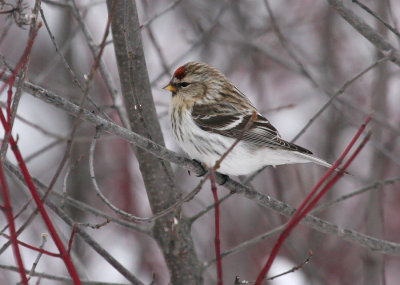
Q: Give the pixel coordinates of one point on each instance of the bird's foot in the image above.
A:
(203, 170)
(224, 179)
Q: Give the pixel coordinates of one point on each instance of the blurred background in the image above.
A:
(289, 64)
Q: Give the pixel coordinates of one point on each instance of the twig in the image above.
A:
(58, 171)
(244, 245)
(196, 43)
(36, 262)
(310, 254)
(7, 209)
(92, 243)
(215, 195)
(378, 245)
(366, 30)
(59, 278)
(71, 238)
(23, 208)
(81, 109)
(159, 14)
(28, 179)
(33, 125)
(342, 198)
(217, 239)
(21, 68)
(72, 74)
(27, 245)
(154, 40)
(323, 206)
(74, 203)
(369, 11)
(96, 226)
(106, 75)
(286, 45)
(74, 78)
(336, 94)
(131, 217)
(309, 201)
(210, 207)
(297, 267)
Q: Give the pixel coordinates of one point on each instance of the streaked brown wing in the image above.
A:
(227, 121)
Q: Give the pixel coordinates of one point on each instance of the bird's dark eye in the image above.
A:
(184, 84)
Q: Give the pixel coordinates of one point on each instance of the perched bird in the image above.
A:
(208, 113)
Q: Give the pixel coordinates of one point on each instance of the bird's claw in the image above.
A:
(224, 179)
(203, 170)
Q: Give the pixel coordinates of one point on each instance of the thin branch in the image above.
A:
(159, 14)
(34, 248)
(323, 206)
(342, 198)
(72, 202)
(286, 45)
(245, 245)
(208, 208)
(58, 278)
(163, 153)
(82, 233)
(14, 147)
(369, 11)
(21, 68)
(121, 212)
(215, 195)
(7, 209)
(36, 262)
(23, 208)
(217, 238)
(77, 121)
(74, 78)
(297, 267)
(106, 75)
(310, 201)
(72, 74)
(199, 41)
(366, 30)
(96, 226)
(156, 45)
(35, 126)
(336, 94)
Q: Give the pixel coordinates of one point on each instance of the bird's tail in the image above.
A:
(318, 160)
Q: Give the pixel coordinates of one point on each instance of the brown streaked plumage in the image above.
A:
(208, 113)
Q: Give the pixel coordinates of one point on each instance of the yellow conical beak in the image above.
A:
(170, 87)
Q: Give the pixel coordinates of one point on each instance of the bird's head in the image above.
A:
(195, 80)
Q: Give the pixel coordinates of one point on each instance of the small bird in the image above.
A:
(208, 114)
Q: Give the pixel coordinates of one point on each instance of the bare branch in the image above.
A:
(364, 29)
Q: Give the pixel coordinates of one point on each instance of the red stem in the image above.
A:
(41, 250)
(304, 209)
(72, 238)
(63, 253)
(331, 182)
(217, 228)
(9, 97)
(10, 217)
